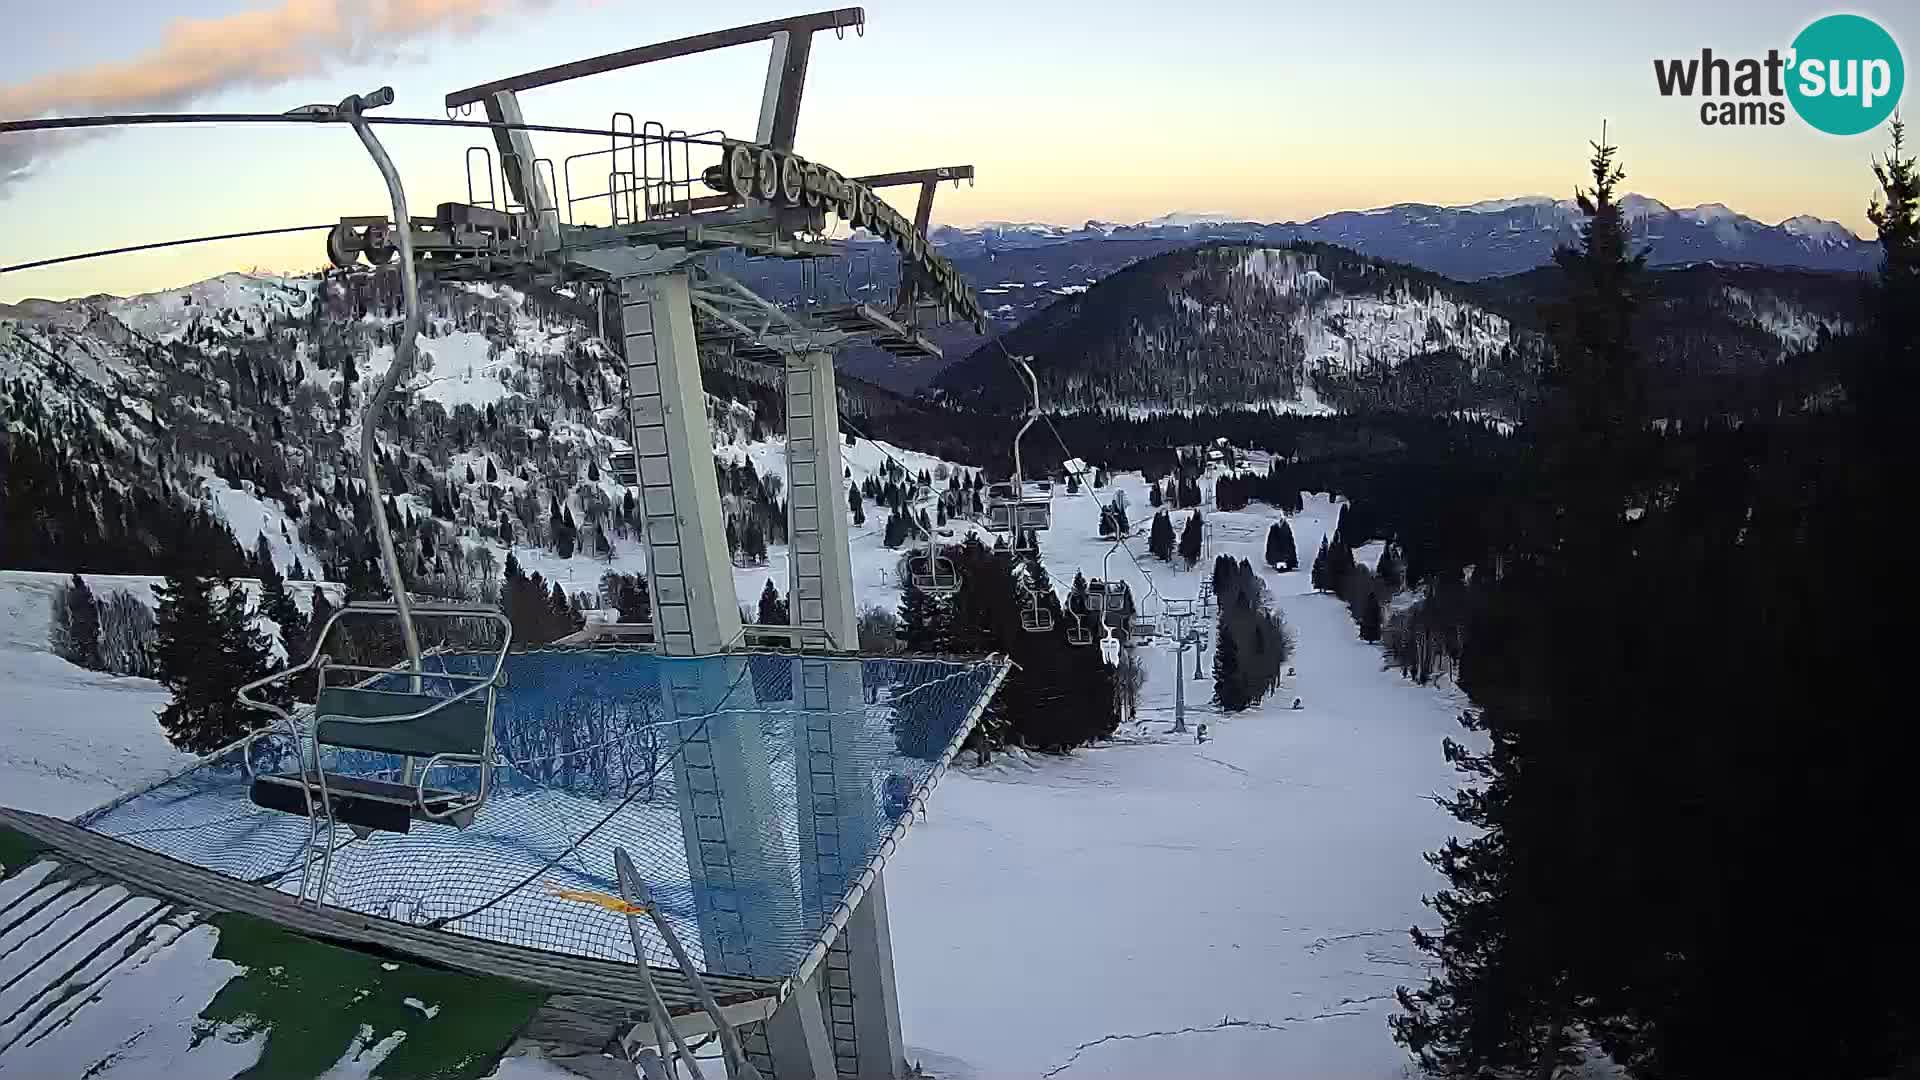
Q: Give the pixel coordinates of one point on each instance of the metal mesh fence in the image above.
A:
(750, 790)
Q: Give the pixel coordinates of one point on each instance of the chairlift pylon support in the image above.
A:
(767, 201)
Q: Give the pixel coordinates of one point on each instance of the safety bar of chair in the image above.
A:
(245, 693)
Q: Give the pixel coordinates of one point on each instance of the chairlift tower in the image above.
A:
(767, 201)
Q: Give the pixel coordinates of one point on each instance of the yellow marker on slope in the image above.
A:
(599, 899)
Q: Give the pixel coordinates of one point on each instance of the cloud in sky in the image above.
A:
(251, 49)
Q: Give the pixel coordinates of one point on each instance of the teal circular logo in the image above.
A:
(1846, 75)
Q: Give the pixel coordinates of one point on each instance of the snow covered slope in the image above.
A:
(72, 738)
(1150, 907)
(1160, 908)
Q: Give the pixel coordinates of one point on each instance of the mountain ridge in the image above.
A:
(1487, 238)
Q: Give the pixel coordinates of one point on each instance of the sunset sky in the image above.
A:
(1122, 110)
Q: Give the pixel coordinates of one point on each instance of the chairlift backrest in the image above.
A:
(393, 722)
(1036, 619)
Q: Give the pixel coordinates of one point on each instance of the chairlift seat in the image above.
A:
(381, 805)
(934, 575)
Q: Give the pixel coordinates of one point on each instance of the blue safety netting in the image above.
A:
(750, 790)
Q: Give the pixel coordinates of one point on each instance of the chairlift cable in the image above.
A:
(37, 263)
(69, 123)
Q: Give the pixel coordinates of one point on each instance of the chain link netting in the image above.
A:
(750, 789)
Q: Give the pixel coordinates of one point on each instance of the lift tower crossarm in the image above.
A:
(780, 112)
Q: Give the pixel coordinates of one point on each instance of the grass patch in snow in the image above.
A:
(17, 852)
(317, 1003)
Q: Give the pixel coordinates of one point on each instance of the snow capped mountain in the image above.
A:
(1187, 219)
(242, 396)
(1291, 329)
(1312, 327)
(1481, 239)
(1819, 230)
(1492, 206)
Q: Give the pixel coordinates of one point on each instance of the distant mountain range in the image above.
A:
(1478, 240)
(1023, 268)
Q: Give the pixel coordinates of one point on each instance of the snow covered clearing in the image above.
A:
(1160, 908)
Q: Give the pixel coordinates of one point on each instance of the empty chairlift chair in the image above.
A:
(1026, 507)
(427, 720)
(1035, 617)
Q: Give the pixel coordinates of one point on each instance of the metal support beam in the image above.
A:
(797, 1047)
(876, 997)
(840, 816)
(820, 573)
(523, 176)
(786, 78)
(694, 609)
(723, 774)
(840, 19)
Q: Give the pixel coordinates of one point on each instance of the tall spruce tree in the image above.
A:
(1160, 535)
(206, 648)
(1190, 539)
(1528, 952)
(82, 625)
(773, 607)
(924, 623)
(1370, 616)
(276, 604)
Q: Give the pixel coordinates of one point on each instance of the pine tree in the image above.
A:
(79, 625)
(1160, 536)
(1370, 617)
(924, 622)
(277, 605)
(1387, 570)
(206, 648)
(1319, 572)
(1887, 378)
(1522, 963)
(1277, 553)
(773, 608)
(1229, 688)
(1153, 494)
(1190, 539)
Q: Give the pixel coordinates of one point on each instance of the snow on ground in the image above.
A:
(1148, 907)
(1157, 908)
(72, 739)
